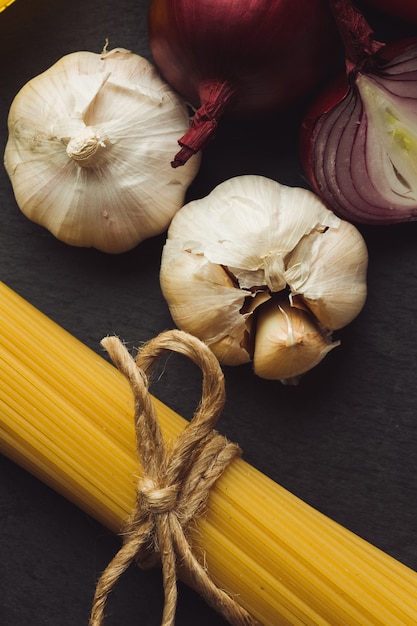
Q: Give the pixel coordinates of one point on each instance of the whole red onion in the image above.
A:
(240, 56)
(359, 139)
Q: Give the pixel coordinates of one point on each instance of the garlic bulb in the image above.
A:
(254, 250)
(90, 146)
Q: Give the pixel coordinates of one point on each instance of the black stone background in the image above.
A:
(344, 440)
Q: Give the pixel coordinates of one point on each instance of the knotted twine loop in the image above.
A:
(175, 481)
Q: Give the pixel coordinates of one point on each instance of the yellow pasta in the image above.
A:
(4, 4)
(66, 415)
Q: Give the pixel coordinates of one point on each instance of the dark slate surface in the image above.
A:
(344, 440)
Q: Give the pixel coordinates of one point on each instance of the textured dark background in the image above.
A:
(344, 440)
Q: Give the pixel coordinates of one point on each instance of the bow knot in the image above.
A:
(176, 480)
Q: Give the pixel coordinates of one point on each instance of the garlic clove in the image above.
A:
(327, 271)
(90, 147)
(288, 342)
(232, 349)
(204, 301)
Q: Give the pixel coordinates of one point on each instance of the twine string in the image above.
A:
(175, 481)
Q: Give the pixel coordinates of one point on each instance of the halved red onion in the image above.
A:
(359, 140)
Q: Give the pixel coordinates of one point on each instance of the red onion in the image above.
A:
(403, 9)
(240, 56)
(359, 140)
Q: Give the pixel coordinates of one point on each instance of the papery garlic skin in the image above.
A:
(329, 270)
(250, 241)
(90, 147)
(194, 288)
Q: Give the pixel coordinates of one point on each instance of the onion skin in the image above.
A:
(240, 57)
(336, 149)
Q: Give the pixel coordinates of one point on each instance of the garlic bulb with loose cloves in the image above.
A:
(263, 272)
(90, 146)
